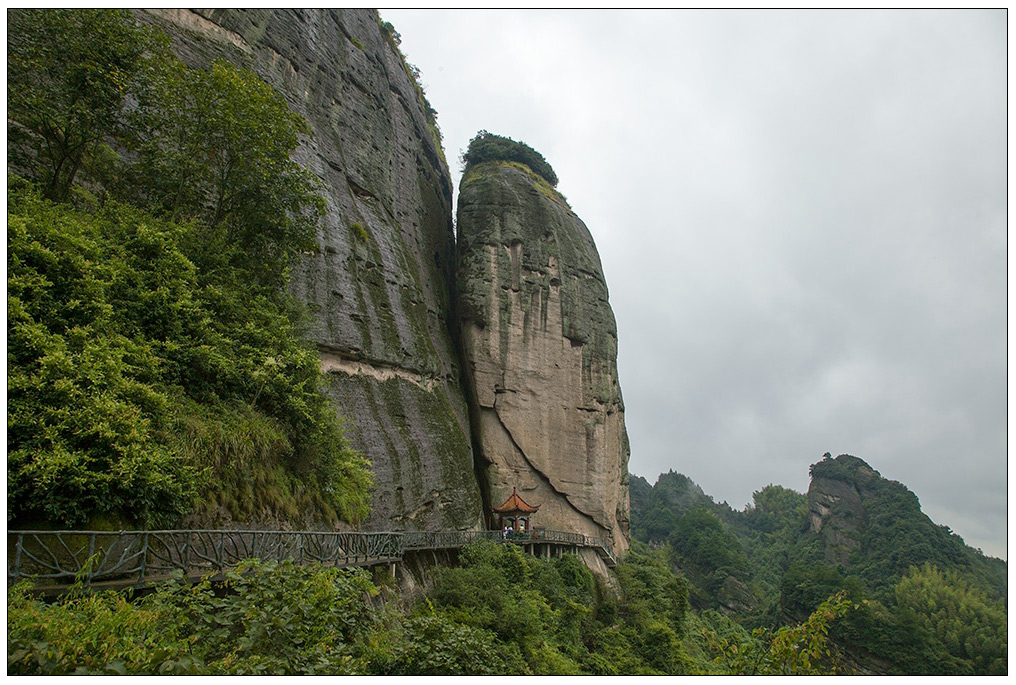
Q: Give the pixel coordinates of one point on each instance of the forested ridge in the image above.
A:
(921, 600)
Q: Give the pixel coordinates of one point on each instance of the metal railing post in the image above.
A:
(88, 565)
(19, 546)
(144, 557)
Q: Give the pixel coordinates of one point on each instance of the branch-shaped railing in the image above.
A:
(59, 558)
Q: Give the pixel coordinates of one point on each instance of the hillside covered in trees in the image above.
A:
(922, 601)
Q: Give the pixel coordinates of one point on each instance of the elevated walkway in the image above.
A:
(55, 560)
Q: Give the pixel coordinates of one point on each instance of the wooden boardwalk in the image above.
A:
(136, 558)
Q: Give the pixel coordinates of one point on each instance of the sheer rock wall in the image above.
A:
(535, 325)
(541, 346)
(381, 286)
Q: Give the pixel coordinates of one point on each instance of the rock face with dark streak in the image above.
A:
(541, 347)
(381, 285)
(836, 506)
(544, 408)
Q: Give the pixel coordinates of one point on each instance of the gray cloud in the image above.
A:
(802, 222)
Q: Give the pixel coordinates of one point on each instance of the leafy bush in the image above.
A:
(154, 354)
(488, 147)
(437, 645)
(789, 650)
(86, 405)
(130, 372)
(557, 619)
(265, 619)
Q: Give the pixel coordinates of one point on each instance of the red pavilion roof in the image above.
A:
(515, 505)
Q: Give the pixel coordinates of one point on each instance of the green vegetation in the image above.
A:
(957, 628)
(156, 366)
(68, 75)
(394, 39)
(359, 231)
(488, 147)
(789, 650)
(498, 611)
(264, 619)
(914, 598)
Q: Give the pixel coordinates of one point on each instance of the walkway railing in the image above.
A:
(59, 558)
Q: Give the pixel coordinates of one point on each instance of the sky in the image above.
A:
(801, 217)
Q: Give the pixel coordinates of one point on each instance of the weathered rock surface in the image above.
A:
(541, 347)
(539, 334)
(836, 509)
(381, 285)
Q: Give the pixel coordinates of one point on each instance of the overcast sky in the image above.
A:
(802, 222)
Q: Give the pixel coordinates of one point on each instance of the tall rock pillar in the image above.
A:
(540, 345)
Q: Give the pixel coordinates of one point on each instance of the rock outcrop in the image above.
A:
(381, 285)
(540, 338)
(541, 348)
(835, 504)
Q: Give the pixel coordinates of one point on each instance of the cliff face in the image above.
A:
(538, 332)
(381, 285)
(836, 509)
(541, 347)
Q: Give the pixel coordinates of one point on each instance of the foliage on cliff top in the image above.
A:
(488, 147)
(153, 353)
(394, 39)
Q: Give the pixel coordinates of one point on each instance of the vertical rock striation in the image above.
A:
(381, 286)
(540, 345)
(546, 413)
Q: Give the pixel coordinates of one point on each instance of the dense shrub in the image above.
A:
(264, 619)
(499, 612)
(136, 381)
(488, 147)
(155, 360)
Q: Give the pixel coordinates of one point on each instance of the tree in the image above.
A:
(952, 627)
(218, 150)
(69, 75)
(210, 145)
(701, 541)
(790, 650)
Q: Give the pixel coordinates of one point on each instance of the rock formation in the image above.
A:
(835, 504)
(381, 285)
(541, 348)
(539, 334)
